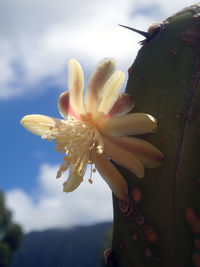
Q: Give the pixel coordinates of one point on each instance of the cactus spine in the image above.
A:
(159, 223)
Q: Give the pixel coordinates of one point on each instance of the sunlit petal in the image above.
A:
(123, 157)
(40, 124)
(131, 124)
(96, 82)
(76, 86)
(65, 108)
(112, 176)
(123, 105)
(73, 181)
(148, 154)
(110, 92)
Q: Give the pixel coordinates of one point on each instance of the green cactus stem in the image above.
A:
(158, 224)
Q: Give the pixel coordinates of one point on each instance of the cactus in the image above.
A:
(159, 223)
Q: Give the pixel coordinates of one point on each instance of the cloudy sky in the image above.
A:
(37, 38)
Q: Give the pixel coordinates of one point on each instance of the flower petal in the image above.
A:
(148, 154)
(130, 124)
(110, 92)
(96, 82)
(64, 106)
(40, 124)
(76, 86)
(112, 176)
(123, 105)
(73, 181)
(123, 157)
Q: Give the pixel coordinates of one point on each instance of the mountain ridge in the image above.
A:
(79, 246)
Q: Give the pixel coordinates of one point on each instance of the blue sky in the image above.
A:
(22, 152)
(37, 38)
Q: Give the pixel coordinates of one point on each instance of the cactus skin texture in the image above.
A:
(159, 224)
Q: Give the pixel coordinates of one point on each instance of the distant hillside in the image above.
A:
(78, 247)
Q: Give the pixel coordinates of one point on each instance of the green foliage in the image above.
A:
(5, 254)
(13, 236)
(5, 215)
(10, 234)
(163, 228)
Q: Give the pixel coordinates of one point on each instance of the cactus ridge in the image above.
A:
(191, 38)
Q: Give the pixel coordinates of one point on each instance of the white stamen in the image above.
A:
(79, 140)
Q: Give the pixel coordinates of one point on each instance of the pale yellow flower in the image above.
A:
(97, 128)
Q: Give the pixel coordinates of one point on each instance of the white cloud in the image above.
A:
(48, 207)
(38, 37)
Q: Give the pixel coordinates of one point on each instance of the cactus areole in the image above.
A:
(159, 223)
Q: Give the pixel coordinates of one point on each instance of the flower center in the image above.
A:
(79, 141)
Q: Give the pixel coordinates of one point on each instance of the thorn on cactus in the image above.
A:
(151, 33)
